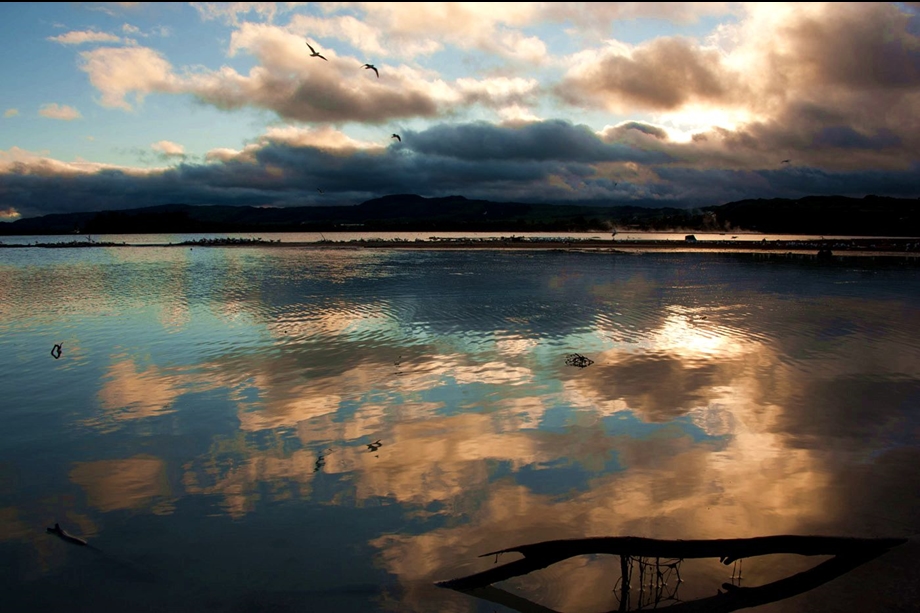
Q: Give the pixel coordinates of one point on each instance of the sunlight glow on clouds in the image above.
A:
(10, 112)
(606, 103)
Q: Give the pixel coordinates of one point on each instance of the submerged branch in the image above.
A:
(733, 599)
(543, 554)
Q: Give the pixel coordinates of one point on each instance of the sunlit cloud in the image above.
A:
(84, 37)
(9, 213)
(323, 137)
(59, 111)
(619, 80)
(18, 161)
(118, 72)
(168, 149)
(10, 112)
(231, 12)
(699, 114)
(113, 8)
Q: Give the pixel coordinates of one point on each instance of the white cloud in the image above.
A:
(230, 12)
(83, 37)
(57, 111)
(168, 149)
(19, 161)
(119, 72)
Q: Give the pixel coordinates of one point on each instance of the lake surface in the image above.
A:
(283, 429)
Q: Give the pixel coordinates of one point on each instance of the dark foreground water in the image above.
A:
(274, 429)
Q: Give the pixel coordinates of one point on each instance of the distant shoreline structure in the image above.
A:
(881, 246)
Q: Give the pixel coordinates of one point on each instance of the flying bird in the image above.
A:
(372, 67)
(320, 191)
(314, 52)
(785, 161)
(396, 136)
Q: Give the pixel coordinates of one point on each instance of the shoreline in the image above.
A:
(821, 248)
(897, 247)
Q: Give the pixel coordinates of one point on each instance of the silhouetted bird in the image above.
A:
(785, 161)
(314, 52)
(372, 67)
(320, 191)
(396, 136)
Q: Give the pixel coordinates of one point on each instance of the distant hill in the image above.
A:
(868, 216)
(872, 215)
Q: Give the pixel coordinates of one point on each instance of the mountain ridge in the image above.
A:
(833, 215)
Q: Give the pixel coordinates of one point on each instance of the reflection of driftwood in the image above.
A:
(541, 555)
(734, 599)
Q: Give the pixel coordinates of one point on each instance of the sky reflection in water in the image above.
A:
(316, 430)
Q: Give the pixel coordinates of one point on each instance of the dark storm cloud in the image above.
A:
(857, 46)
(282, 174)
(539, 141)
(550, 161)
(845, 137)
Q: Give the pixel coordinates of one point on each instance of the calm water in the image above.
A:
(253, 429)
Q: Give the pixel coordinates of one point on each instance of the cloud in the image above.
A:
(601, 15)
(168, 149)
(84, 37)
(628, 129)
(10, 112)
(116, 73)
(9, 214)
(538, 161)
(230, 12)
(56, 111)
(290, 83)
(664, 74)
(113, 8)
(425, 27)
(545, 140)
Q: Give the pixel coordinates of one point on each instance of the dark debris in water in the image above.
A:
(576, 359)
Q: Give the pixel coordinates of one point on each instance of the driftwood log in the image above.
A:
(543, 554)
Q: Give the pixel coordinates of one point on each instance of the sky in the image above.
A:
(114, 105)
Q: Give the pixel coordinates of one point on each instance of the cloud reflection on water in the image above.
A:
(131, 483)
(708, 413)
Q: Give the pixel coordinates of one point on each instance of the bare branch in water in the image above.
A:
(543, 554)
